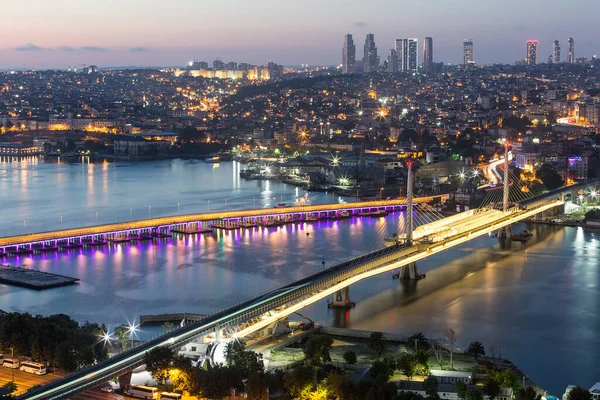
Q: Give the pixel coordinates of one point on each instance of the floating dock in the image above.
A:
(33, 279)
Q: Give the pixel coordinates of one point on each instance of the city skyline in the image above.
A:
(162, 35)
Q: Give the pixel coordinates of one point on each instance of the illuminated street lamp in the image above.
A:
(132, 329)
(335, 161)
(380, 193)
(475, 173)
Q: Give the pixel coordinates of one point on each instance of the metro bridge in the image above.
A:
(266, 309)
(148, 229)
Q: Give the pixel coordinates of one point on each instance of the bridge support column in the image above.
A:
(217, 333)
(341, 299)
(409, 272)
(505, 231)
(125, 380)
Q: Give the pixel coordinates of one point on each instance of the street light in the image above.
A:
(132, 329)
(380, 193)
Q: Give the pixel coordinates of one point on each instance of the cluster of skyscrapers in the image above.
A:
(403, 57)
(555, 57)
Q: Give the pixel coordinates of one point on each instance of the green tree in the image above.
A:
(256, 388)
(461, 390)
(549, 177)
(430, 386)
(492, 389)
(317, 349)
(350, 357)
(380, 372)
(123, 335)
(300, 381)
(527, 394)
(579, 393)
(340, 386)
(377, 344)
(12, 386)
(409, 396)
(422, 362)
(406, 364)
(167, 326)
(418, 341)
(476, 349)
(158, 362)
(474, 394)
(215, 382)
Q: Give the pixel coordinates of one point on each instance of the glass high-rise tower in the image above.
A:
(556, 53)
(407, 50)
(468, 51)
(571, 51)
(532, 52)
(348, 55)
(370, 58)
(428, 55)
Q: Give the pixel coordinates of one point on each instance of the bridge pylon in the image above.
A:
(341, 299)
(125, 380)
(505, 231)
(409, 271)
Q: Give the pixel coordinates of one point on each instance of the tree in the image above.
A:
(579, 393)
(215, 382)
(181, 373)
(422, 361)
(409, 396)
(256, 388)
(492, 389)
(340, 386)
(317, 349)
(300, 380)
(380, 372)
(406, 363)
(527, 394)
(549, 177)
(430, 386)
(123, 335)
(158, 362)
(438, 352)
(476, 350)
(12, 386)
(377, 344)
(451, 337)
(350, 357)
(504, 378)
(474, 394)
(461, 390)
(167, 326)
(419, 341)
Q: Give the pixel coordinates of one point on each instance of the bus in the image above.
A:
(143, 392)
(33, 367)
(170, 396)
(11, 363)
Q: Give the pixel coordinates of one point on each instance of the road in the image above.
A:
(25, 380)
(491, 171)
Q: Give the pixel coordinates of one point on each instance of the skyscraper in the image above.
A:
(532, 51)
(370, 58)
(571, 51)
(407, 50)
(428, 55)
(348, 55)
(392, 64)
(468, 51)
(556, 54)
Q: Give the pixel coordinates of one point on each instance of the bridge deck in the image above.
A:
(188, 218)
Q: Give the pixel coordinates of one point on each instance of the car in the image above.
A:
(107, 389)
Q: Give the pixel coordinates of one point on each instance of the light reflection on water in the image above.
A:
(537, 302)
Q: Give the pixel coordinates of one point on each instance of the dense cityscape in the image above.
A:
(389, 227)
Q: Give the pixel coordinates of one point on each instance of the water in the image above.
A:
(536, 302)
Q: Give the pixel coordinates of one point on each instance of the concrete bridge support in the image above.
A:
(409, 272)
(125, 380)
(341, 299)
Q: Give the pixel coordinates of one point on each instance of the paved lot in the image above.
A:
(25, 380)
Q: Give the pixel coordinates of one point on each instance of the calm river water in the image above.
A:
(538, 303)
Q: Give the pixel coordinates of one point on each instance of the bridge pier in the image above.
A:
(409, 272)
(125, 380)
(341, 299)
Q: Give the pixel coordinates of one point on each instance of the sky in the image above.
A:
(61, 33)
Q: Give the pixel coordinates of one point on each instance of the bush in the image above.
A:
(350, 357)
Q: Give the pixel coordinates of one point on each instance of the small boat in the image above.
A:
(522, 236)
(214, 159)
(281, 205)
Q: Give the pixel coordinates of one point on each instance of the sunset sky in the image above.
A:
(62, 33)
